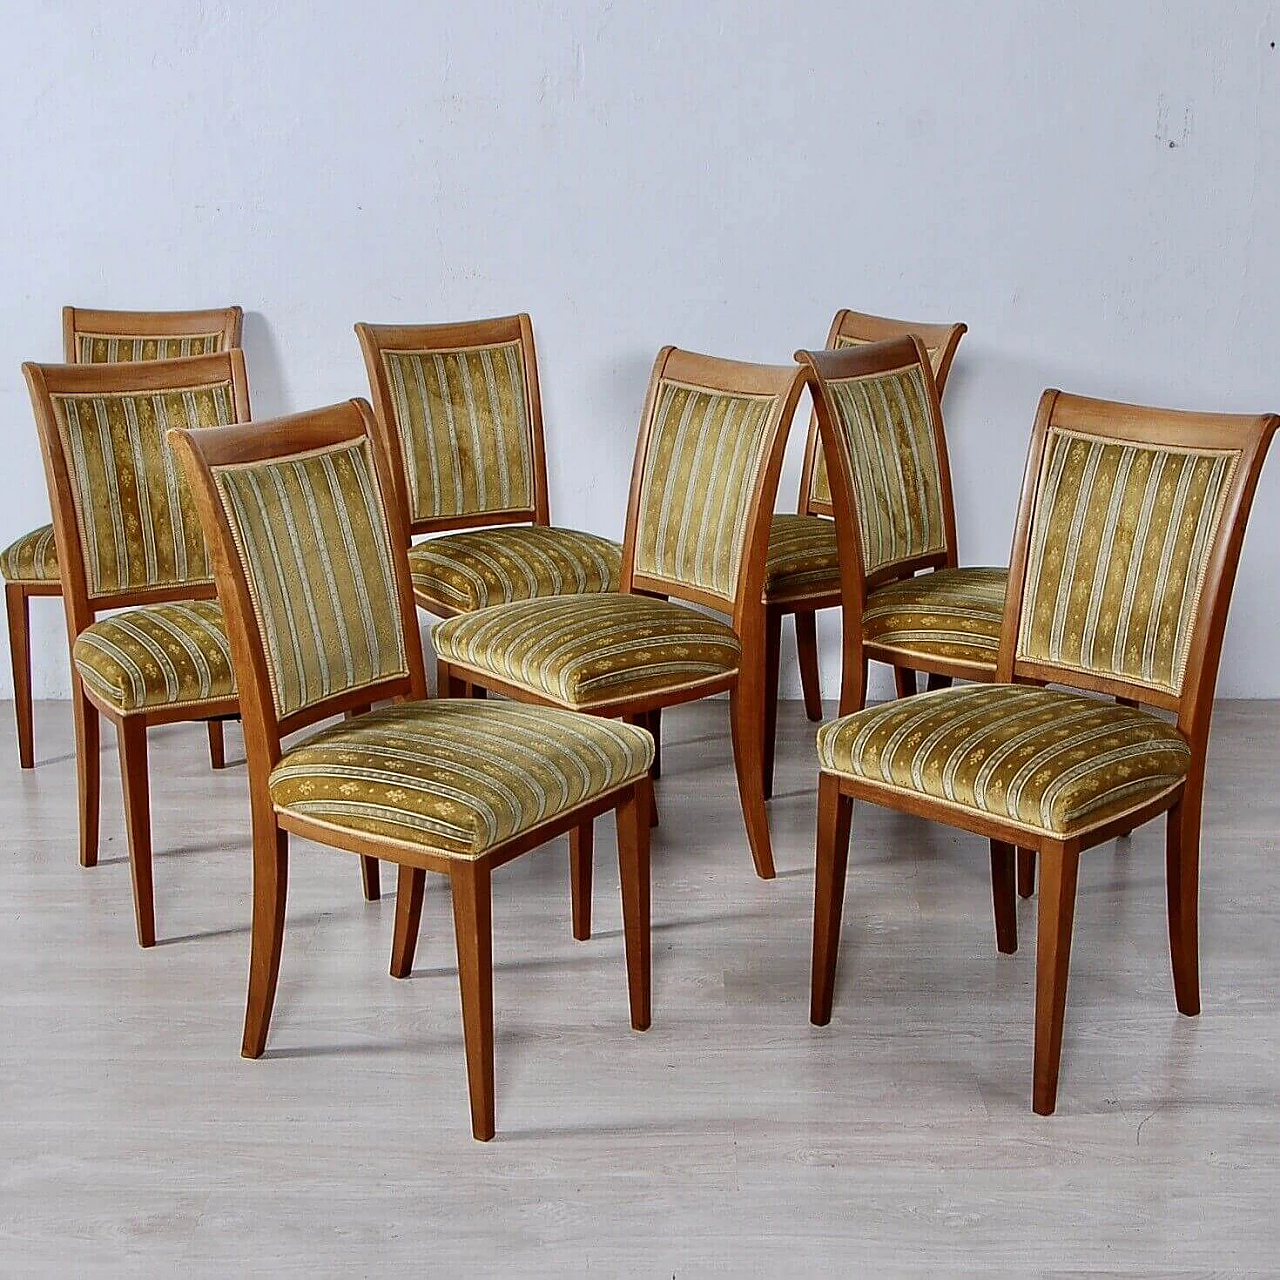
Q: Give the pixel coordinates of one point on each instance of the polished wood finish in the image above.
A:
(82, 607)
(77, 320)
(748, 687)
(470, 877)
(1193, 704)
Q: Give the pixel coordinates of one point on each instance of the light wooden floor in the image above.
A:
(732, 1139)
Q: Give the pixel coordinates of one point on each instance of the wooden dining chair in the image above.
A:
(803, 571)
(308, 552)
(30, 565)
(702, 492)
(1128, 536)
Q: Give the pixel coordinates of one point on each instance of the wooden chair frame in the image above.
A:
(945, 339)
(75, 321)
(1059, 858)
(470, 878)
(747, 685)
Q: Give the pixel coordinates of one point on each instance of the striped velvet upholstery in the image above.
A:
(1053, 762)
(112, 348)
(313, 539)
(1121, 537)
(820, 485)
(705, 452)
(584, 651)
(463, 422)
(897, 477)
(457, 776)
(804, 559)
(461, 572)
(32, 558)
(136, 522)
(159, 655)
(954, 614)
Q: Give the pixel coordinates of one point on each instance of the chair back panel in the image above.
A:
(1122, 536)
(315, 548)
(462, 418)
(113, 348)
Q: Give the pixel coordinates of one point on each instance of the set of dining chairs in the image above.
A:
(213, 567)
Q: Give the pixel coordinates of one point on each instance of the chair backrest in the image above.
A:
(111, 337)
(308, 552)
(126, 529)
(1128, 537)
(856, 329)
(461, 419)
(882, 413)
(705, 478)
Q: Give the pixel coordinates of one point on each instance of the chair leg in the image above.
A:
(633, 873)
(580, 851)
(835, 813)
(371, 878)
(449, 685)
(1059, 866)
(807, 651)
(15, 599)
(88, 773)
(270, 889)
(904, 682)
(1182, 872)
(1002, 897)
(411, 886)
(1026, 872)
(217, 745)
(937, 681)
(131, 733)
(473, 930)
(746, 713)
(772, 661)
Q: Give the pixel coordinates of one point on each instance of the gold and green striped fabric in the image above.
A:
(157, 655)
(32, 558)
(584, 651)
(136, 521)
(114, 348)
(1121, 538)
(804, 559)
(463, 422)
(313, 538)
(457, 776)
(949, 613)
(883, 419)
(1053, 762)
(706, 450)
(820, 485)
(461, 572)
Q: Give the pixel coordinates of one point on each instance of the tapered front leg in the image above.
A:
(807, 652)
(1002, 897)
(411, 887)
(371, 878)
(835, 813)
(633, 874)
(1026, 872)
(746, 711)
(772, 661)
(1182, 873)
(217, 744)
(580, 852)
(473, 930)
(270, 888)
(15, 598)
(1059, 867)
(131, 735)
(88, 772)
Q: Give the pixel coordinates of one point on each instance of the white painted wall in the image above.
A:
(1092, 186)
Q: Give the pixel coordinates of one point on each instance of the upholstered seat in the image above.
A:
(803, 558)
(158, 655)
(457, 776)
(1057, 763)
(462, 572)
(32, 558)
(587, 651)
(952, 614)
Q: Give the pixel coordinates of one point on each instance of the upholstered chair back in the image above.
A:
(1129, 516)
(459, 407)
(706, 475)
(856, 329)
(125, 512)
(111, 337)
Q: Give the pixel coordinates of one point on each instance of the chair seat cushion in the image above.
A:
(1053, 762)
(157, 655)
(457, 776)
(32, 558)
(803, 559)
(462, 572)
(585, 651)
(953, 614)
